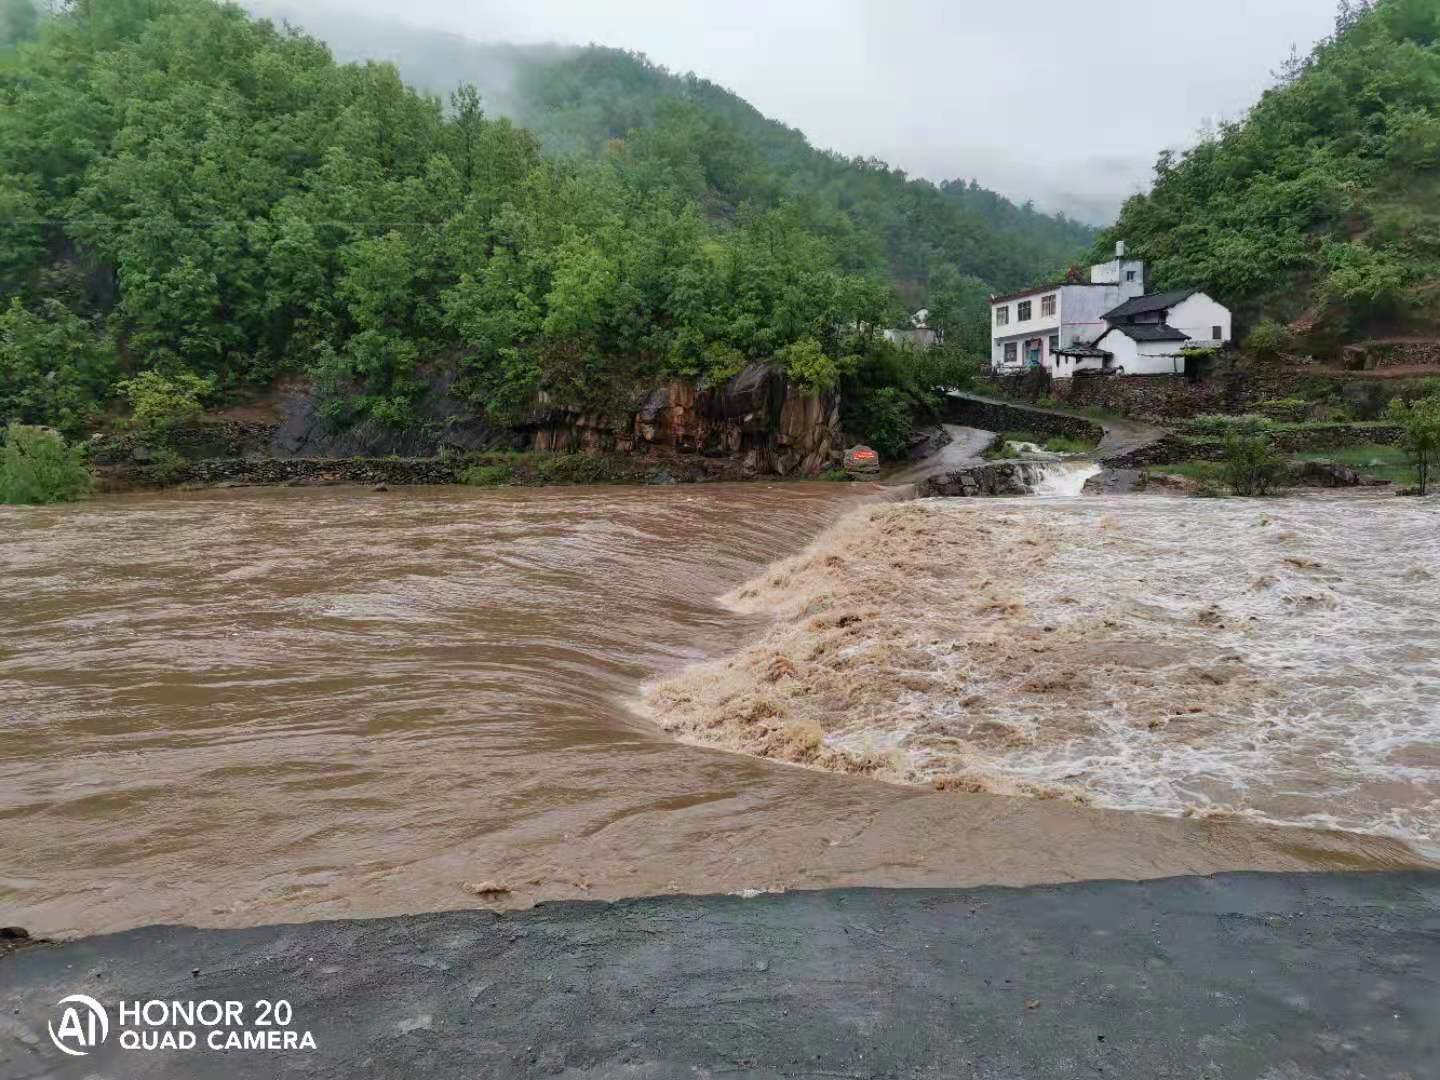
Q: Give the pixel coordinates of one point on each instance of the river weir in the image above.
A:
(230, 708)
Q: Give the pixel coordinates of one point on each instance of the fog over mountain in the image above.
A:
(1062, 103)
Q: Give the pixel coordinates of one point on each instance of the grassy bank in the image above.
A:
(1373, 460)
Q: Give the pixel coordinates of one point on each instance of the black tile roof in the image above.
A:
(1147, 332)
(1142, 305)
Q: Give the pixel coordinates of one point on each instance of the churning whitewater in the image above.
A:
(1181, 657)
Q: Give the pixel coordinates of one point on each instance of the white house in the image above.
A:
(1108, 324)
(1029, 328)
(1155, 334)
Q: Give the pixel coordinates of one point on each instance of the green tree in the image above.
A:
(1250, 466)
(1420, 422)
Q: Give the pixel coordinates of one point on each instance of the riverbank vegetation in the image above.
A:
(191, 193)
(1420, 423)
(1322, 205)
(38, 467)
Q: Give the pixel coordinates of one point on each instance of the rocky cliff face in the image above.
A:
(752, 425)
(755, 418)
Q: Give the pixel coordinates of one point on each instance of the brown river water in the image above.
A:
(241, 707)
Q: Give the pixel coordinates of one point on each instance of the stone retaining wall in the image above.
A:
(1396, 352)
(1001, 417)
(1314, 438)
(527, 470)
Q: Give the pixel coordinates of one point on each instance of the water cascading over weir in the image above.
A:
(1010, 478)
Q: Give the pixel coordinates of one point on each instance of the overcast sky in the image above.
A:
(1060, 101)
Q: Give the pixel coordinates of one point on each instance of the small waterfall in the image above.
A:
(1064, 477)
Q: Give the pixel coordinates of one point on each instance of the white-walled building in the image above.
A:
(1152, 334)
(1108, 323)
(1029, 328)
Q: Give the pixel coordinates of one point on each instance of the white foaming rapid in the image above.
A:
(1066, 478)
(1331, 603)
(1272, 659)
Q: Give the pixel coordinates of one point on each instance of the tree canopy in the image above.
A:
(190, 191)
(1324, 201)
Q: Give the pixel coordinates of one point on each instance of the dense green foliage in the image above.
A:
(37, 468)
(685, 130)
(191, 197)
(55, 367)
(1324, 201)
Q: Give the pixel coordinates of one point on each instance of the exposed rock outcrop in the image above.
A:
(755, 417)
(754, 424)
(997, 478)
(443, 422)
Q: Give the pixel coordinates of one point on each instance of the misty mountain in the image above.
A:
(588, 101)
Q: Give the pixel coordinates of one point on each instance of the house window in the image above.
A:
(1047, 305)
(1216, 332)
(1054, 344)
(1010, 352)
(1022, 311)
(1002, 315)
(1129, 275)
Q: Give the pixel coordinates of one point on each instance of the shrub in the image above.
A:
(1285, 410)
(836, 476)
(1268, 339)
(1251, 466)
(1223, 425)
(1420, 421)
(37, 467)
(487, 475)
(159, 402)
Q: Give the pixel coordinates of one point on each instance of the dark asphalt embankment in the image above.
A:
(1284, 976)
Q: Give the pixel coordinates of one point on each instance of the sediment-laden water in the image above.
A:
(1277, 660)
(230, 708)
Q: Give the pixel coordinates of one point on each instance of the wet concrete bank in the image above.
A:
(1237, 976)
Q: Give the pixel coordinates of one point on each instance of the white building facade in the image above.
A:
(1029, 328)
(1108, 324)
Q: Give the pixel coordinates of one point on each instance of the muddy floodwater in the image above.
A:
(241, 707)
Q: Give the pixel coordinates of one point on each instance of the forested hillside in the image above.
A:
(188, 190)
(1323, 204)
(590, 101)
